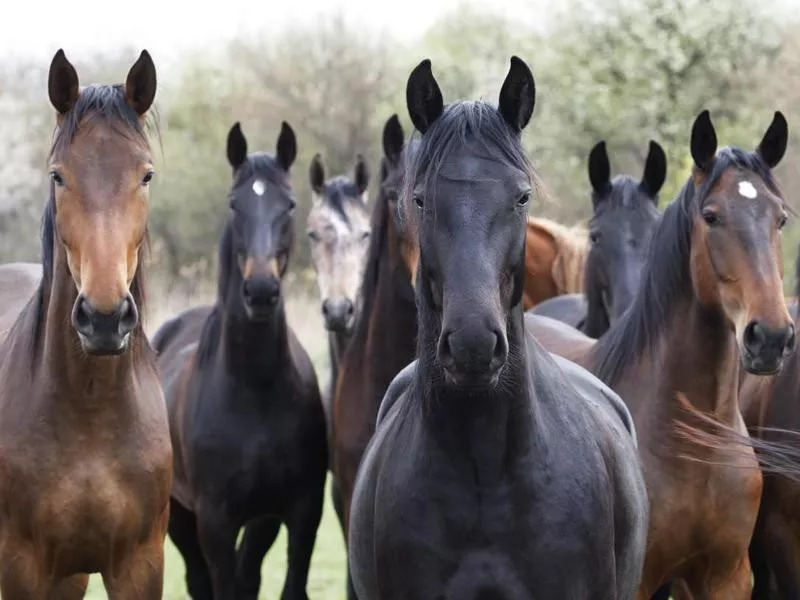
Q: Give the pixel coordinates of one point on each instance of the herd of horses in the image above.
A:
(516, 409)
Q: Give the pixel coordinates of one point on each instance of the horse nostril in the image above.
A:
(82, 316)
(791, 341)
(754, 336)
(246, 289)
(500, 353)
(445, 352)
(326, 308)
(128, 316)
(349, 309)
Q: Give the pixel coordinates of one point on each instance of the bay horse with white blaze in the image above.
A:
(85, 456)
(711, 299)
(495, 471)
(247, 423)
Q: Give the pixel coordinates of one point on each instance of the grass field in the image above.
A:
(327, 577)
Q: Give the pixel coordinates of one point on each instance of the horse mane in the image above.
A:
(341, 192)
(572, 248)
(265, 165)
(379, 238)
(666, 278)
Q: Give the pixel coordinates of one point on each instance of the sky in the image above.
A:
(37, 28)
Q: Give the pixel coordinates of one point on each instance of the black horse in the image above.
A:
(625, 217)
(496, 470)
(247, 424)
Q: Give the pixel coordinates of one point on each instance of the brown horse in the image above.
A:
(771, 406)
(85, 455)
(555, 257)
(385, 334)
(711, 297)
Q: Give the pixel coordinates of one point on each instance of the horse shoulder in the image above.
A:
(559, 338)
(18, 284)
(396, 388)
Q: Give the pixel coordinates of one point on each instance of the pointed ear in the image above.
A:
(655, 170)
(237, 146)
(287, 146)
(140, 85)
(361, 175)
(423, 97)
(62, 83)
(316, 174)
(704, 141)
(394, 139)
(599, 168)
(773, 144)
(518, 95)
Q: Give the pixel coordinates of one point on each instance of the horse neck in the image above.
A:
(481, 427)
(252, 349)
(699, 359)
(82, 381)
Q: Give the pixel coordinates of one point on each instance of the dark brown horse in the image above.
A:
(710, 299)
(85, 456)
(495, 471)
(246, 419)
(385, 334)
(772, 406)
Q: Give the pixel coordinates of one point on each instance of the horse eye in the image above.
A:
(313, 235)
(418, 201)
(148, 178)
(365, 235)
(594, 236)
(56, 177)
(782, 221)
(524, 199)
(711, 218)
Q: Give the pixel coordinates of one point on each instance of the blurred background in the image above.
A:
(626, 71)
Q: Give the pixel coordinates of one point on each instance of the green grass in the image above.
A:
(326, 580)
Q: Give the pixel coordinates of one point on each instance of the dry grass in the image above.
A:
(327, 577)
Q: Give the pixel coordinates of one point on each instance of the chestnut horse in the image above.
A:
(624, 219)
(246, 419)
(555, 258)
(85, 456)
(385, 334)
(495, 470)
(338, 231)
(710, 299)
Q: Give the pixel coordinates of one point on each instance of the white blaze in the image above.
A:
(747, 189)
(259, 187)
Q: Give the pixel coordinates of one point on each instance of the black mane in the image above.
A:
(340, 192)
(666, 278)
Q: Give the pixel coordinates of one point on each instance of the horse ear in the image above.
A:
(393, 139)
(599, 168)
(704, 141)
(316, 174)
(423, 97)
(287, 146)
(362, 175)
(62, 83)
(518, 95)
(237, 146)
(773, 145)
(655, 169)
(140, 85)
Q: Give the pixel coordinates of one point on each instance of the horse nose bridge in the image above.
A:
(104, 269)
(260, 266)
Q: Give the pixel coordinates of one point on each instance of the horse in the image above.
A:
(770, 406)
(495, 471)
(709, 301)
(338, 231)
(624, 219)
(385, 333)
(555, 258)
(246, 418)
(85, 456)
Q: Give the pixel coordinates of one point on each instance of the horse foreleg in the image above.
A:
(302, 524)
(722, 585)
(256, 542)
(72, 588)
(217, 534)
(140, 574)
